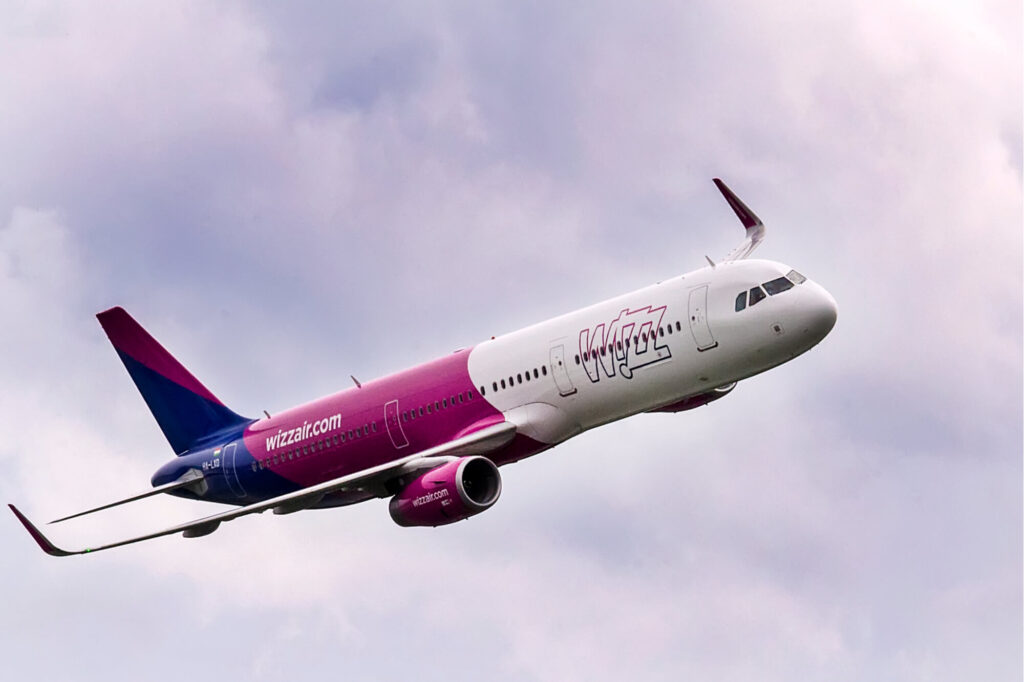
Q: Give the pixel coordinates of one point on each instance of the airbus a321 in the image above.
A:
(432, 438)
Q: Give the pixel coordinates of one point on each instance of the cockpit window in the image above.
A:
(757, 295)
(741, 301)
(777, 286)
(795, 277)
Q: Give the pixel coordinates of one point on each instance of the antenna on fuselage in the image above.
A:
(355, 381)
(266, 413)
(710, 262)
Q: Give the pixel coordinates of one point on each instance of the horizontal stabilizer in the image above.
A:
(193, 478)
(485, 440)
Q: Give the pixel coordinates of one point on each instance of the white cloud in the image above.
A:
(284, 199)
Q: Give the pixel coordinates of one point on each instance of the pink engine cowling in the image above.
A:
(449, 493)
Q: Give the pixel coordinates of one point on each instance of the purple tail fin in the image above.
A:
(185, 409)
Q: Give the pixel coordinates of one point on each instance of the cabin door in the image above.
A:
(699, 319)
(230, 470)
(560, 371)
(394, 423)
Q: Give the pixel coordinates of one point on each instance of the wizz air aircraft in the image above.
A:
(432, 437)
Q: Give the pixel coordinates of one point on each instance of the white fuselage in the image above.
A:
(648, 348)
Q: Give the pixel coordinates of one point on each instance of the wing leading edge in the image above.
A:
(485, 440)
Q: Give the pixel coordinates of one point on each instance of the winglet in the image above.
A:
(41, 540)
(743, 212)
(751, 223)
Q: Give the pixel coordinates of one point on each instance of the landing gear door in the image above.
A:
(699, 319)
(560, 371)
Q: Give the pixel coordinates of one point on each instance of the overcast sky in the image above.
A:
(288, 193)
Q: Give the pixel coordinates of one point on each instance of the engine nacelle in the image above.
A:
(697, 400)
(449, 493)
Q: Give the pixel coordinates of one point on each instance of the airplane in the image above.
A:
(432, 437)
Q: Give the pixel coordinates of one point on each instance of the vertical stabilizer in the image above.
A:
(185, 409)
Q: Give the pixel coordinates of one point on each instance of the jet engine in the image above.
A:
(697, 400)
(449, 493)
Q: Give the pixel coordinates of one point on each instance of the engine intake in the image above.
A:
(449, 493)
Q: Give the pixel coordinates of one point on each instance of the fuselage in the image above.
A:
(638, 352)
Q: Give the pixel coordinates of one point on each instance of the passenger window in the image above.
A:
(503, 383)
(535, 369)
(373, 426)
(669, 327)
(437, 406)
(430, 408)
(741, 301)
(494, 385)
(469, 394)
(661, 331)
(678, 328)
(620, 345)
(519, 377)
(527, 375)
(421, 411)
(511, 383)
(604, 351)
(757, 295)
(777, 286)
(544, 370)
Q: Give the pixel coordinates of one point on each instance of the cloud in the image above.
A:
(287, 197)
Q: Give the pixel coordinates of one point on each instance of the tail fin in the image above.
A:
(185, 409)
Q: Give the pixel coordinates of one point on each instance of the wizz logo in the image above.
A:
(630, 341)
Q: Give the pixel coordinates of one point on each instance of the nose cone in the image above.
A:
(820, 313)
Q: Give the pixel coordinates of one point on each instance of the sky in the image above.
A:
(287, 194)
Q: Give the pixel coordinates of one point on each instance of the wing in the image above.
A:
(485, 440)
(751, 223)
